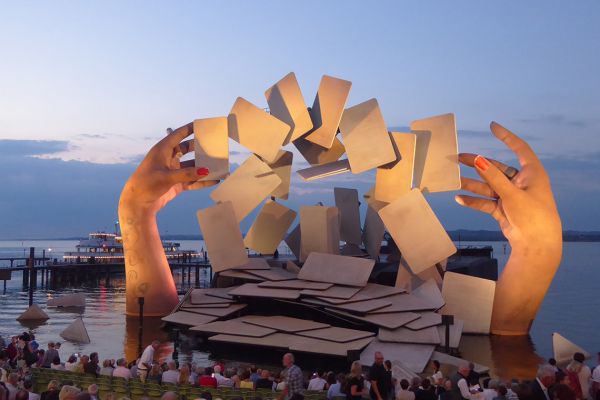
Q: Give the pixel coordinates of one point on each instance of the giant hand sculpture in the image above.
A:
(159, 178)
(526, 213)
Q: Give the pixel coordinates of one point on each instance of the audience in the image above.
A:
(336, 388)
(122, 371)
(172, 374)
(265, 381)
(317, 382)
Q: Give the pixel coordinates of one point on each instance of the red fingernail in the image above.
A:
(482, 163)
(202, 171)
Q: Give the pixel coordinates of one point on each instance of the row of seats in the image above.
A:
(136, 390)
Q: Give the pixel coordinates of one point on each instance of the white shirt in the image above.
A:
(405, 394)
(170, 376)
(12, 391)
(70, 366)
(317, 383)
(122, 372)
(58, 367)
(584, 376)
(146, 358)
(222, 381)
(489, 394)
(596, 374)
(34, 396)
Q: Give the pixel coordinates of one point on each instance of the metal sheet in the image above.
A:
(296, 284)
(427, 319)
(337, 334)
(276, 340)
(425, 297)
(269, 227)
(327, 110)
(374, 229)
(418, 233)
(273, 274)
(188, 318)
(403, 335)
(341, 270)
(253, 263)
(335, 292)
(389, 320)
(222, 236)
(319, 232)
(240, 275)
(282, 167)
(324, 170)
(201, 296)
(219, 292)
(346, 200)
(258, 131)
(233, 326)
(284, 323)
(436, 156)
(287, 104)
(253, 290)
(455, 361)
(247, 186)
(392, 181)
(317, 155)
(358, 307)
(293, 241)
(414, 356)
(319, 346)
(211, 146)
(369, 292)
(365, 137)
(217, 311)
(462, 293)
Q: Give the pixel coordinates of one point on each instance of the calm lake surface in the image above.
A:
(570, 308)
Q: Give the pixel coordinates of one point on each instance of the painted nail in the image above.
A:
(482, 163)
(202, 171)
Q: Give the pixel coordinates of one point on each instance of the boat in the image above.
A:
(103, 247)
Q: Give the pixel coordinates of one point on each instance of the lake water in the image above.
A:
(570, 308)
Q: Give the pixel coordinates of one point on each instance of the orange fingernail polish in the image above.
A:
(202, 171)
(482, 163)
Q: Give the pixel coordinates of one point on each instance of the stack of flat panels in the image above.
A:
(287, 333)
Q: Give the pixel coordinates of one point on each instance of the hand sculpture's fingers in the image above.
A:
(477, 187)
(184, 147)
(468, 159)
(199, 185)
(498, 182)
(186, 175)
(187, 163)
(173, 139)
(520, 147)
(477, 203)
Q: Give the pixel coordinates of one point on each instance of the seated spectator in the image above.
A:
(71, 363)
(68, 392)
(56, 364)
(415, 383)
(171, 375)
(246, 382)
(28, 386)
(221, 380)
(22, 395)
(502, 392)
(93, 391)
(52, 391)
(107, 368)
(80, 367)
(122, 371)
(490, 390)
(336, 388)
(207, 379)
(232, 373)
(280, 381)
(155, 374)
(254, 375)
(12, 382)
(184, 375)
(91, 368)
(264, 382)
(403, 392)
(317, 382)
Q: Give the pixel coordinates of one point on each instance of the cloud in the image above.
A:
(92, 136)
(559, 120)
(20, 148)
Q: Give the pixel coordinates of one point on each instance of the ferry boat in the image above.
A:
(102, 247)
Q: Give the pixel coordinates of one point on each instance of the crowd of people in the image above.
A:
(576, 381)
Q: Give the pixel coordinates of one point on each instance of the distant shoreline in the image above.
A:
(456, 235)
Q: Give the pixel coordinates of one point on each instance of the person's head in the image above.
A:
(217, 369)
(52, 385)
(169, 396)
(404, 384)
(330, 378)
(579, 357)
(435, 364)
(561, 377)
(426, 383)
(388, 364)
(471, 366)
(155, 344)
(107, 363)
(57, 345)
(288, 360)
(68, 392)
(253, 369)
(563, 392)
(13, 378)
(121, 362)
(552, 362)
(415, 382)
(340, 377)
(502, 390)
(355, 369)
(93, 389)
(378, 358)
(22, 395)
(245, 375)
(94, 357)
(72, 359)
(264, 374)
(208, 371)
(172, 365)
(28, 385)
(448, 384)
(464, 368)
(50, 345)
(546, 375)
(84, 359)
(493, 384)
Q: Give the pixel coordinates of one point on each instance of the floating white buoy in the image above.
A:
(76, 332)
(33, 313)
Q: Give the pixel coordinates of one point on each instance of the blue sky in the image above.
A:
(98, 83)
